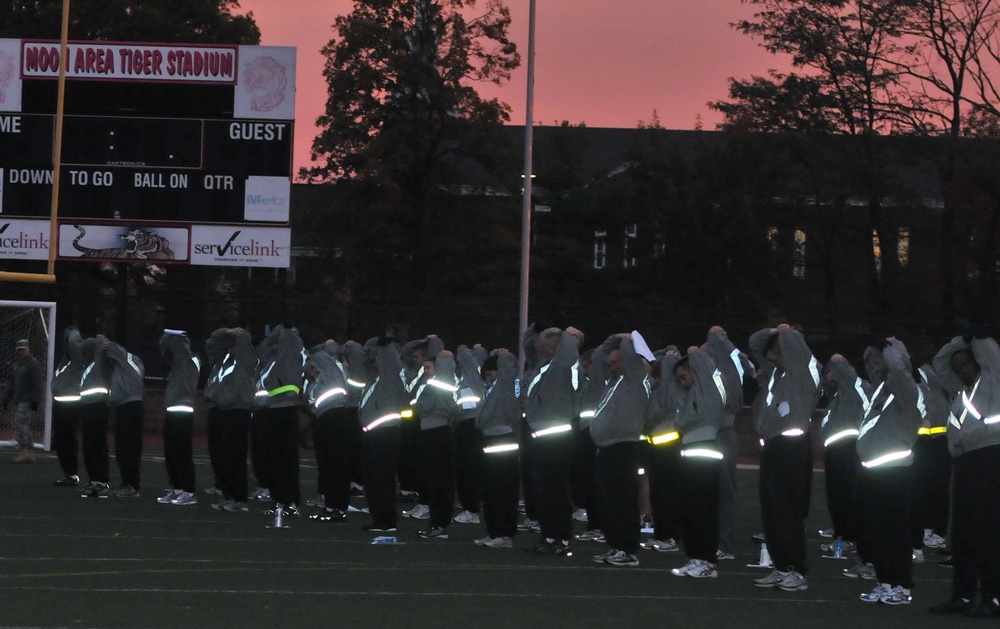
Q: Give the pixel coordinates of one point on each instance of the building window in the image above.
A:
(600, 249)
(628, 256)
(903, 248)
(877, 252)
(799, 255)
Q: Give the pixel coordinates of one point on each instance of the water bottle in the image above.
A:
(838, 548)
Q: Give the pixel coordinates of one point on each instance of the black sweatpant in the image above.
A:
(785, 485)
(178, 431)
(469, 465)
(975, 521)
(886, 522)
(128, 441)
(584, 476)
(932, 487)
(337, 448)
(411, 470)
(700, 495)
(94, 431)
(663, 466)
(214, 430)
(65, 423)
(551, 458)
(281, 433)
(841, 466)
(501, 488)
(380, 452)
(438, 446)
(617, 493)
(258, 450)
(234, 438)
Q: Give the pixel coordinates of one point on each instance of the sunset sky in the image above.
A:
(606, 64)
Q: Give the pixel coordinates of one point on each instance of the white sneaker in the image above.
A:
(500, 542)
(185, 498)
(482, 540)
(419, 512)
(770, 581)
(660, 545)
(591, 535)
(826, 532)
(792, 581)
(600, 558)
(918, 555)
(721, 555)
(530, 525)
(580, 515)
(934, 541)
(318, 501)
(261, 494)
(875, 596)
(466, 517)
(621, 558)
(170, 495)
(683, 570)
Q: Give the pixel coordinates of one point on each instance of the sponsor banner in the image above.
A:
(123, 243)
(22, 239)
(266, 199)
(218, 245)
(10, 78)
(266, 86)
(111, 61)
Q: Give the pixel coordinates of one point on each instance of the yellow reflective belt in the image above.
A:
(284, 389)
(665, 438)
(936, 430)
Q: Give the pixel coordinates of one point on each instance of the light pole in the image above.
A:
(526, 192)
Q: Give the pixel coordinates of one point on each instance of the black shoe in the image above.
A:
(67, 481)
(379, 528)
(550, 548)
(990, 608)
(434, 532)
(329, 515)
(946, 562)
(954, 605)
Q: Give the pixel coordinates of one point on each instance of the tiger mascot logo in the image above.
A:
(139, 245)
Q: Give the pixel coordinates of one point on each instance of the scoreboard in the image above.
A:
(148, 169)
(173, 153)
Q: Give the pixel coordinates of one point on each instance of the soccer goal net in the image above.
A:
(34, 321)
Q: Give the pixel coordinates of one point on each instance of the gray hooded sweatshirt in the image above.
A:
(702, 409)
(622, 409)
(973, 423)
(230, 384)
(787, 398)
(848, 401)
(66, 378)
(500, 412)
(128, 377)
(329, 388)
(889, 428)
(182, 379)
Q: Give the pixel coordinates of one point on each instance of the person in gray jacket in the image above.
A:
(593, 380)
(969, 365)
(95, 383)
(334, 440)
(847, 396)
(499, 418)
(663, 454)
(468, 439)
(230, 391)
(701, 414)
(127, 389)
(439, 413)
(931, 464)
(549, 406)
(784, 407)
(736, 368)
(382, 402)
(885, 448)
(616, 430)
(65, 407)
(281, 378)
(178, 421)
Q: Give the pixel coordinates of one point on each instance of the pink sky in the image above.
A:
(603, 63)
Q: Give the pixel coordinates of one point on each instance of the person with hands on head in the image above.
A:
(783, 411)
(969, 365)
(663, 454)
(126, 393)
(701, 414)
(884, 444)
(95, 383)
(616, 430)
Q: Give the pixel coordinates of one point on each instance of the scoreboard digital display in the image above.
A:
(147, 169)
